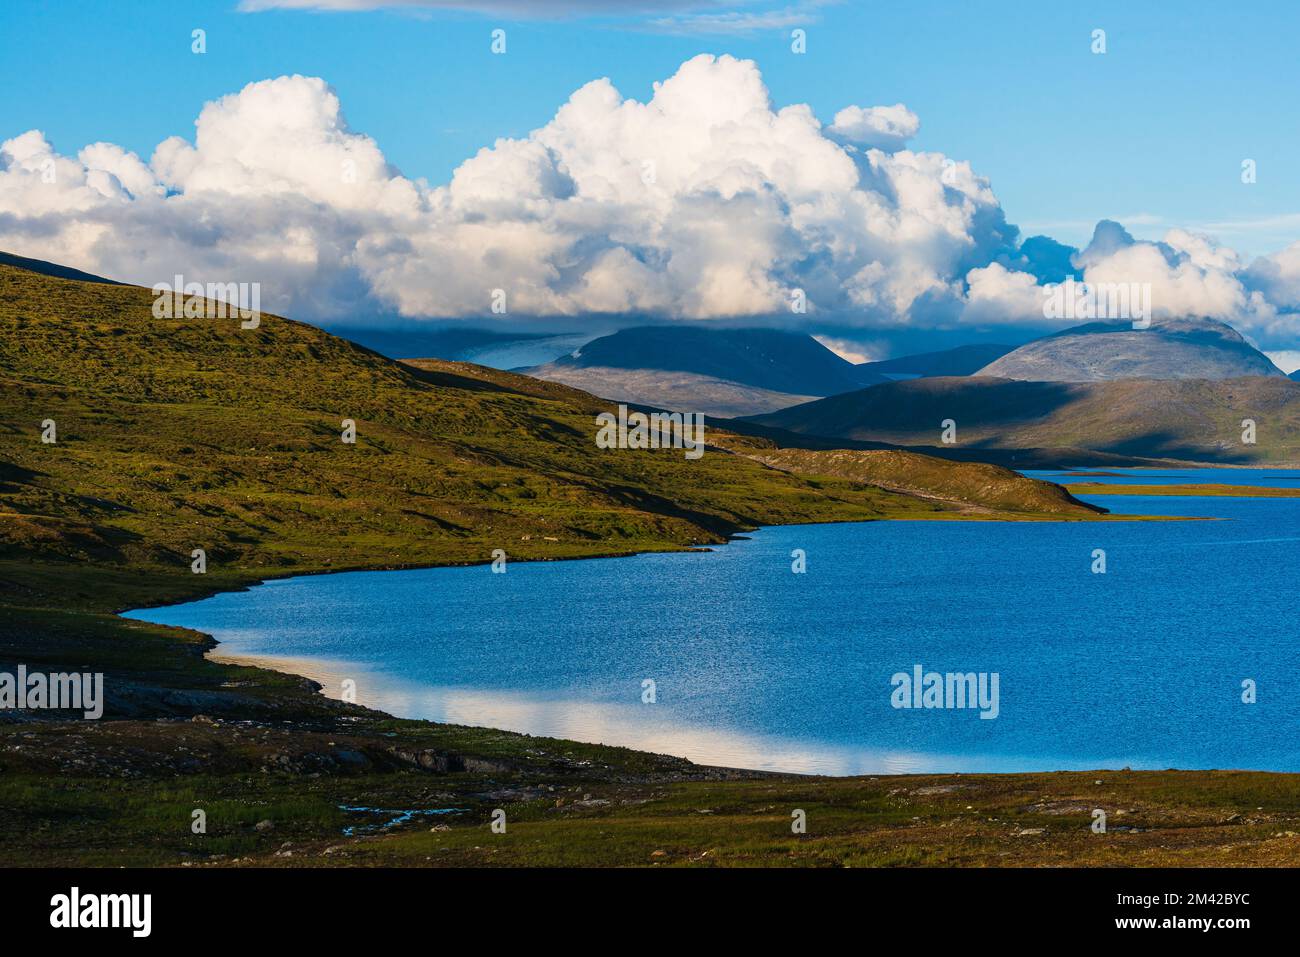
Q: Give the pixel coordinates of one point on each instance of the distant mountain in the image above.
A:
(524, 353)
(235, 437)
(765, 358)
(52, 269)
(1101, 351)
(963, 360)
(1188, 419)
(1295, 376)
(501, 350)
(716, 371)
(683, 391)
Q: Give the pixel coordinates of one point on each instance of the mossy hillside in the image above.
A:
(69, 797)
(195, 433)
(978, 486)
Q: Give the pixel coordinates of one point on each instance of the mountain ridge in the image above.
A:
(726, 372)
(1191, 420)
(44, 268)
(959, 360)
(1188, 348)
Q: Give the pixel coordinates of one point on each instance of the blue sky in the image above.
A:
(1153, 132)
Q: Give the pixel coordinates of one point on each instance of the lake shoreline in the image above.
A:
(310, 667)
(1188, 490)
(599, 806)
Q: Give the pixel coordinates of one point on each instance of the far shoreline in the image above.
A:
(326, 678)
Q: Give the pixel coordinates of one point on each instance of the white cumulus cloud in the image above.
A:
(705, 201)
(1190, 274)
(880, 127)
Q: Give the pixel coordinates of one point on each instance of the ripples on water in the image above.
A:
(755, 666)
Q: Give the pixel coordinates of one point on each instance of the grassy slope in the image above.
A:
(192, 433)
(982, 487)
(195, 433)
(1193, 420)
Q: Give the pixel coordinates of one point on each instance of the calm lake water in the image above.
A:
(756, 666)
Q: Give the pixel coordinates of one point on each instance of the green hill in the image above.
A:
(52, 269)
(195, 433)
(173, 435)
(980, 487)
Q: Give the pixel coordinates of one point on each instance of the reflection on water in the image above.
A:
(756, 666)
(627, 727)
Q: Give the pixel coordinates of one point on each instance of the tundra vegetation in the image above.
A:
(172, 435)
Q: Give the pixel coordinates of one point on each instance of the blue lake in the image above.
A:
(756, 666)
